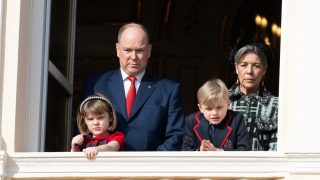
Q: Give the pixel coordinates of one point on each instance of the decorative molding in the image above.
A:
(159, 165)
(2, 164)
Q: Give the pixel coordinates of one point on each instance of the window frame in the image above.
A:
(38, 81)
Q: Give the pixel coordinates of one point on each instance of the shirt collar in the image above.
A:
(210, 124)
(125, 75)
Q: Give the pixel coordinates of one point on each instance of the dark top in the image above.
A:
(230, 134)
(260, 111)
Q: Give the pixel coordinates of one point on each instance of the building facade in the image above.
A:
(25, 63)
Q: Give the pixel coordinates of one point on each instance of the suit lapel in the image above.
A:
(117, 90)
(112, 86)
(223, 131)
(145, 89)
(203, 128)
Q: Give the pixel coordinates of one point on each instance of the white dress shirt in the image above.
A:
(127, 83)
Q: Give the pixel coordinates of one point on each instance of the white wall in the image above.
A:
(24, 47)
(1, 65)
(10, 62)
(299, 77)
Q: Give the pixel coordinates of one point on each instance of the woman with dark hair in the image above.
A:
(249, 95)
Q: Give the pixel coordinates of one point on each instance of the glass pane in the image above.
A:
(60, 29)
(57, 119)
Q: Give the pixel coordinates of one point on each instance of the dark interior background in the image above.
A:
(191, 38)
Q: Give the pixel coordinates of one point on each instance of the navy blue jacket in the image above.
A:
(230, 135)
(156, 121)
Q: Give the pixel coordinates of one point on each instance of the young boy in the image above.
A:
(215, 128)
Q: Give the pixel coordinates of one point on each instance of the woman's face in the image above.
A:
(250, 72)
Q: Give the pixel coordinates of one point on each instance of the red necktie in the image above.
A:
(131, 95)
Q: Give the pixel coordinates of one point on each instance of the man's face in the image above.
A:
(133, 51)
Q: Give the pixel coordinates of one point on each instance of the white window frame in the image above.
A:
(1, 64)
(39, 79)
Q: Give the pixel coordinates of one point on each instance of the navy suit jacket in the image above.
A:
(230, 135)
(156, 121)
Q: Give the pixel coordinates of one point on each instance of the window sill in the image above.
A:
(159, 165)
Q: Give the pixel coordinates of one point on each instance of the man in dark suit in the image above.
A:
(155, 121)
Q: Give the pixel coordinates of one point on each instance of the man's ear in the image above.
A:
(117, 49)
(149, 49)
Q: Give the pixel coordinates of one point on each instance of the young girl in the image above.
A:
(97, 122)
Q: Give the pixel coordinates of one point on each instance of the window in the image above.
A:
(96, 31)
(60, 76)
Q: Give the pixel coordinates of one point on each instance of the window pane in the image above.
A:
(59, 35)
(57, 124)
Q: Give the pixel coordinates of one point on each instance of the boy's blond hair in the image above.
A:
(211, 90)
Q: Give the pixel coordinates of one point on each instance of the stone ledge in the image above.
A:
(160, 165)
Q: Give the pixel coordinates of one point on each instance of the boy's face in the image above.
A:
(217, 112)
